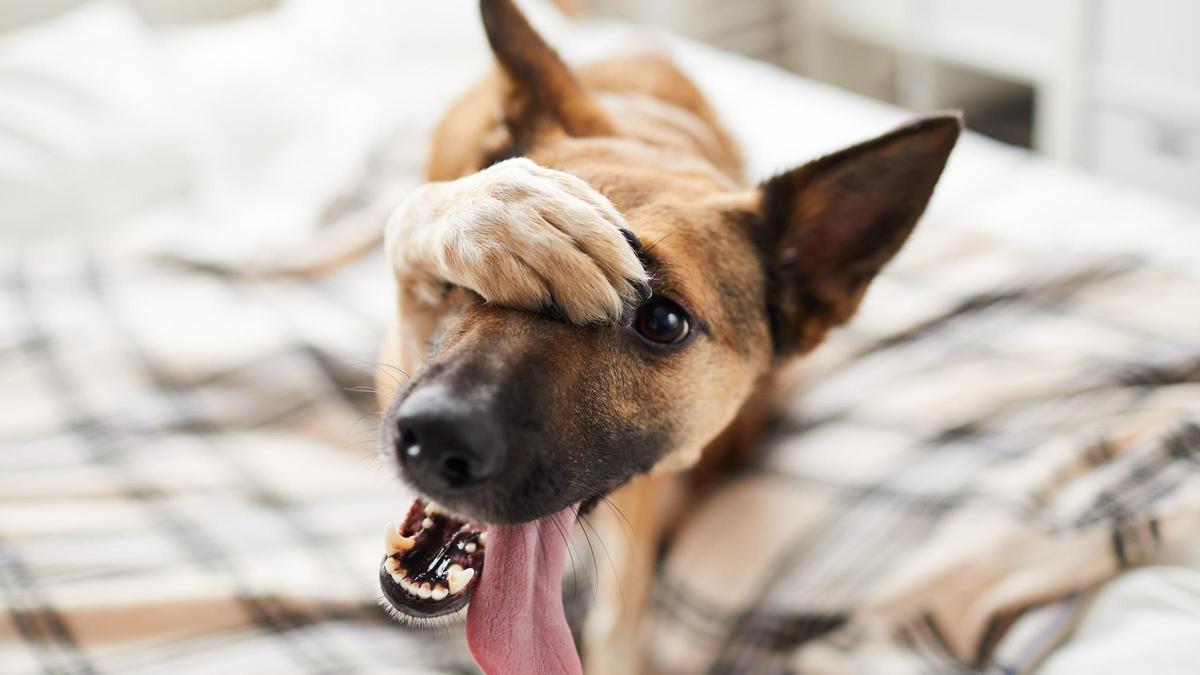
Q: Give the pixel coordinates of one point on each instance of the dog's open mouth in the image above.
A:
(434, 566)
(432, 561)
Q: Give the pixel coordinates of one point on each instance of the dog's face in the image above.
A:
(548, 414)
(517, 414)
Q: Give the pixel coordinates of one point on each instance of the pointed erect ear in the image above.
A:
(829, 226)
(540, 91)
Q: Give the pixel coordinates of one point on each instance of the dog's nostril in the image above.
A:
(406, 443)
(442, 443)
(456, 471)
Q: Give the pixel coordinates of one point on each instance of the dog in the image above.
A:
(590, 301)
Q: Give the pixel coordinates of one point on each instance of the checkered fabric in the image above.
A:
(187, 483)
(996, 435)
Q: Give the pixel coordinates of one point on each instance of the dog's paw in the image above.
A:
(522, 236)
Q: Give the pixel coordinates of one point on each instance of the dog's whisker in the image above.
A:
(583, 527)
(611, 563)
(394, 368)
(592, 550)
(350, 430)
(659, 241)
(566, 543)
(390, 369)
(632, 533)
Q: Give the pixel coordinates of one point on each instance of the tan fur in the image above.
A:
(631, 143)
(677, 151)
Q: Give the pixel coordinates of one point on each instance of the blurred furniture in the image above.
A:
(750, 27)
(1113, 85)
(1110, 85)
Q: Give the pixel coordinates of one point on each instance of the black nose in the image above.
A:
(445, 442)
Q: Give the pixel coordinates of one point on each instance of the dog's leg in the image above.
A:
(630, 528)
(518, 235)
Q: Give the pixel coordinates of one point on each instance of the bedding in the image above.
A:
(999, 454)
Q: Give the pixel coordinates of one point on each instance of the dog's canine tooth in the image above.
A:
(439, 592)
(425, 591)
(470, 548)
(458, 579)
(394, 542)
(427, 524)
(391, 565)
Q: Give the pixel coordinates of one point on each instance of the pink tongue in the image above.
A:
(515, 622)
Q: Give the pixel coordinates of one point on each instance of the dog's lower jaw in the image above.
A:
(431, 562)
(435, 565)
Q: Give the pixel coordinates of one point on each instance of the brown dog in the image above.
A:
(588, 297)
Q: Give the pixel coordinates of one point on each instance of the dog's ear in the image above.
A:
(829, 226)
(541, 92)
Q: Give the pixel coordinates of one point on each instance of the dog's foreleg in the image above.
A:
(518, 235)
(521, 236)
(630, 526)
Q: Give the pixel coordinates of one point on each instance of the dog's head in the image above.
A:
(516, 415)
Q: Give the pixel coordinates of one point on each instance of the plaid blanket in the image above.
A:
(188, 482)
(996, 435)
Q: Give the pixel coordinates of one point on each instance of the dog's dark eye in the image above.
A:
(662, 321)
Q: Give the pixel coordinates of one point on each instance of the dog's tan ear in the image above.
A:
(829, 226)
(541, 92)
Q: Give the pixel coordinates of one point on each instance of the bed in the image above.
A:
(994, 468)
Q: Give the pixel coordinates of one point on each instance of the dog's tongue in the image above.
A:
(515, 622)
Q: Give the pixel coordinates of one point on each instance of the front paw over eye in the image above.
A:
(522, 236)
(663, 322)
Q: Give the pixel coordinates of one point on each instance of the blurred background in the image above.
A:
(1112, 86)
(1109, 85)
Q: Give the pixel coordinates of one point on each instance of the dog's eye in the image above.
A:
(662, 321)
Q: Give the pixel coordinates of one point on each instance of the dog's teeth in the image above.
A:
(391, 565)
(406, 584)
(432, 509)
(439, 592)
(458, 579)
(424, 592)
(470, 548)
(427, 523)
(394, 542)
(483, 538)
(398, 578)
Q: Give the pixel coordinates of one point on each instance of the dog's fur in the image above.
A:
(517, 285)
